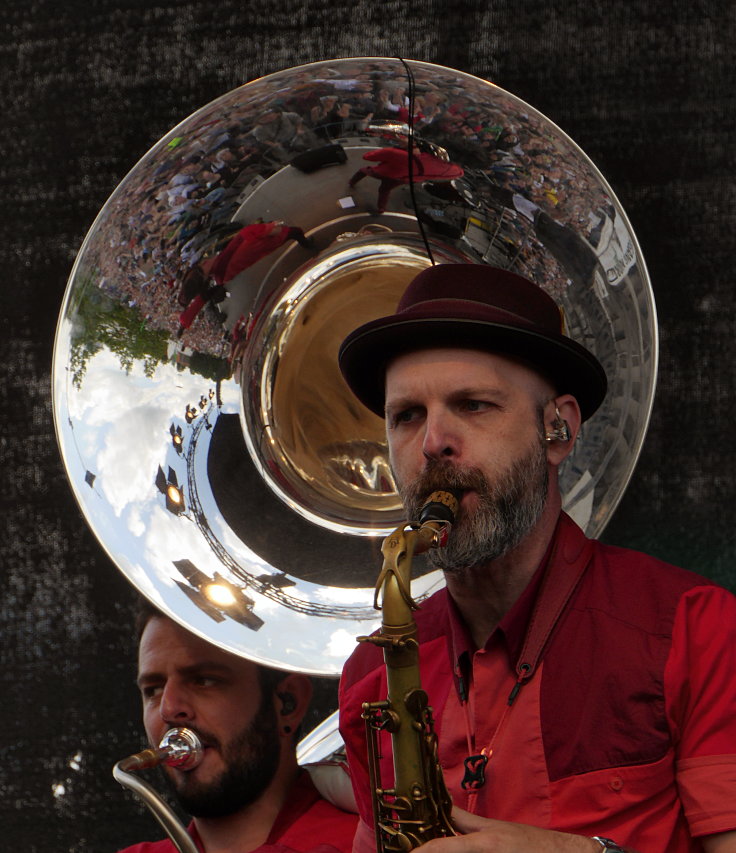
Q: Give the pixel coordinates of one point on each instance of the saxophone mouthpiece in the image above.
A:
(442, 505)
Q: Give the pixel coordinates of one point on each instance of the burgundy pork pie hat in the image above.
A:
(472, 306)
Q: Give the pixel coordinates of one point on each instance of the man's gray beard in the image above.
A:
(251, 760)
(507, 509)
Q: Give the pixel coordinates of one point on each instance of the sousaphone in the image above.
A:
(208, 435)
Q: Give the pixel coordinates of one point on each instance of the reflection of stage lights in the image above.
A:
(175, 498)
(170, 489)
(219, 595)
(177, 439)
(216, 596)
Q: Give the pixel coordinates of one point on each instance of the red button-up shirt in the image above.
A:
(627, 728)
(306, 824)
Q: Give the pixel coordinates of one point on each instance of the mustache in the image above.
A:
(440, 475)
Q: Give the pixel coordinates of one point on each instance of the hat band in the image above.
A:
(477, 307)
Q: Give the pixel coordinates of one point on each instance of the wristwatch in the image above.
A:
(607, 844)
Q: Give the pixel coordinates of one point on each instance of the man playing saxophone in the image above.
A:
(581, 693)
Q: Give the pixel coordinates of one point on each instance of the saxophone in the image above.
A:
(417, 808)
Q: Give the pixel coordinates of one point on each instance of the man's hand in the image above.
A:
(483, 835)
(724, 842)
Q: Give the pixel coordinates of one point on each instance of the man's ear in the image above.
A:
(292, 696)
(562, 421)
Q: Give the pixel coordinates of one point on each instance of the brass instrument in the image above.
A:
(192, 450)
(179, 747)
(417, 807)
(191, 455)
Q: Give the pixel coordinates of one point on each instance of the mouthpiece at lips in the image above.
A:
(183, 747)
(179, 747)
(442, 505)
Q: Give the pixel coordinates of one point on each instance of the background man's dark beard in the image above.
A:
(507, 509)
(251, 760)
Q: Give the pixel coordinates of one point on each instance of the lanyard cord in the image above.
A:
(475, 763)
(552, 599)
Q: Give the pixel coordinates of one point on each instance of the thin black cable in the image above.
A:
(410, 152)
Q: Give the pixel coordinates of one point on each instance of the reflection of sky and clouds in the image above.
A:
(121, 423)
(121, 435)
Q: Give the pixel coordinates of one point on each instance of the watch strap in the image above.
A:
(608, 844)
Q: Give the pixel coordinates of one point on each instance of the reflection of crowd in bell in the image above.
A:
(177, 209)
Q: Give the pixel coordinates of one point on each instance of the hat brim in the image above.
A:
(366, 353)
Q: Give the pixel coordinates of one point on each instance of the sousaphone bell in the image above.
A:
(207, 433)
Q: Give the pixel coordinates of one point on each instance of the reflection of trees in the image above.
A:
(101, 322)
(209, 366)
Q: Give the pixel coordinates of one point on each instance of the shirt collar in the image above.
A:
(510, 631)
(301, 797)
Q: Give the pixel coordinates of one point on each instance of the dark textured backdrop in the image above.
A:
(646, 88)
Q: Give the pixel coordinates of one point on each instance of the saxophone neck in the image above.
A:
(399, 547)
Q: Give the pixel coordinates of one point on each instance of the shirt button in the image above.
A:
(616, 783)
